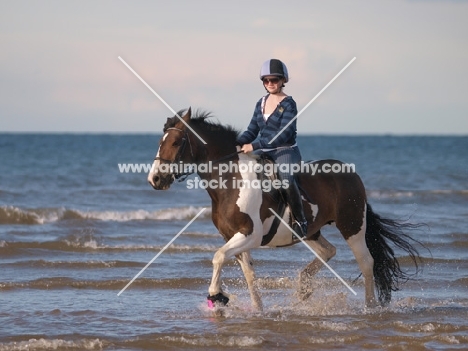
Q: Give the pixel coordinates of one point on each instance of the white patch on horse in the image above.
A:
(314, 209)
(250, 199)
(156, 163)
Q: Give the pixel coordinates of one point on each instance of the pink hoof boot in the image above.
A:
(219, 297)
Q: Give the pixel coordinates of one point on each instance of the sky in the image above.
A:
(60, 72)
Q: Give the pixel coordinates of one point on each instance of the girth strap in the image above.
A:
(275, 225)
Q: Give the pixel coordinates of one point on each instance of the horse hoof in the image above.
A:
(373, 304)
(218, 298)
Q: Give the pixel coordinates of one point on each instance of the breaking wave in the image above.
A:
(53, 344)
(15, 215)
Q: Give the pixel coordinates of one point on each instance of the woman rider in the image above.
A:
(272, 113)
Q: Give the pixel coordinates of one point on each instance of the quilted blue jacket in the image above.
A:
(260, 132)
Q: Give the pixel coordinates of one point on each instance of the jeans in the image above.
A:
(289, 156)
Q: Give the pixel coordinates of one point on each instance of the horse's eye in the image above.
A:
(177, 142)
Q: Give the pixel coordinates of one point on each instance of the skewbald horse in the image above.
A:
(243, 218)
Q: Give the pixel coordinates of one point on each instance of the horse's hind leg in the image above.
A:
(326, 251)
(357, 243)
(245, 261)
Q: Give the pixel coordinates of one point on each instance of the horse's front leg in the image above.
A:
(245, 261)
(236, 245)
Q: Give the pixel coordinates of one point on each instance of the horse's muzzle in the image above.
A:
(161, 181)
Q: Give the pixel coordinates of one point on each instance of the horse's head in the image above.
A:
(172, 148)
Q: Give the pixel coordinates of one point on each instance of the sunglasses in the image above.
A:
(270, 80)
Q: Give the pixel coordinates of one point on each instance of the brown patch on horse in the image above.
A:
(347, 209)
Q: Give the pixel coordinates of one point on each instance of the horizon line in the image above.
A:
(350, 134)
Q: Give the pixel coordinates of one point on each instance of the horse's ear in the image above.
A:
(187, 115)
(167, 124)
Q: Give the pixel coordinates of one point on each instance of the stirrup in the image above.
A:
(300, 228)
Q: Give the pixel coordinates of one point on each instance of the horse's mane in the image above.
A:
(202, 124)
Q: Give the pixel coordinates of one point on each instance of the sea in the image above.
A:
(75, 229)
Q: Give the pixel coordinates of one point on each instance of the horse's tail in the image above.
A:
(387, 272)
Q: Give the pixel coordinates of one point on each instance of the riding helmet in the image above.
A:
(274, 67)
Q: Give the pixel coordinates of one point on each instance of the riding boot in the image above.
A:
(293, 197)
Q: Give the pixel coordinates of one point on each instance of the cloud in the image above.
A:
(59, 63)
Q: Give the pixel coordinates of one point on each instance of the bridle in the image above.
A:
(179, 176)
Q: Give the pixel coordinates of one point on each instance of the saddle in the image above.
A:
(276, 194)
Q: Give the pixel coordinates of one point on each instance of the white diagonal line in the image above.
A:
(161, 99)
(311, 249)
(162, 250)
(311, 101)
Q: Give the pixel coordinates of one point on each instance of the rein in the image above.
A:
(227, 156)
(182, 176)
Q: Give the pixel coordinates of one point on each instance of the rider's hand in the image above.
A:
(247, 148)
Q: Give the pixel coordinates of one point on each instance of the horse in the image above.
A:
(244, 216)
